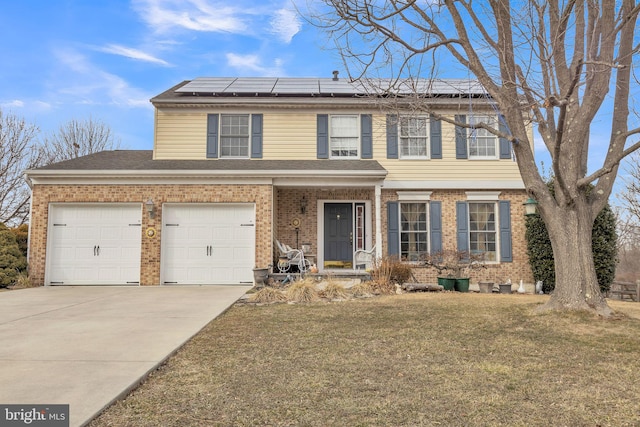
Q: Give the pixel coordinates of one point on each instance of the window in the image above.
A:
(413, 133)
(414, 242)
(482, 143)
(344, 136)
(482, 230)
(234, 135)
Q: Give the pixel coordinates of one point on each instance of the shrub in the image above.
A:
(390, 270)
(604, 248)
(22, 237)
(267, 295)
(12, 261)
(303, 291)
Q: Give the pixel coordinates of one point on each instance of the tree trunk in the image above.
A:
(577, 285)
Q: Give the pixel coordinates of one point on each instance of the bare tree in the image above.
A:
(18, 152)
(556, 62)
(78, 138)
(631, 195)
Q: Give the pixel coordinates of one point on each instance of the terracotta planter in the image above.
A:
(505, 288)
(485, 287)
(260, 276)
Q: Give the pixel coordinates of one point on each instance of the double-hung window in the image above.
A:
(482, 143)
(234, 135)
(483, 230)
(344, 133)
(414, 234)
(413, 134)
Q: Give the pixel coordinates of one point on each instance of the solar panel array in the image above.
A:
(327, 86)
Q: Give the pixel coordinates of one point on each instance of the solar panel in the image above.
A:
(328, 86)
(207, 85)
(297, 85)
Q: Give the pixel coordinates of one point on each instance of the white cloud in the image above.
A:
(196, 15)
(17, 103)
(285, 23)
(133, 54)
(91, 85)
(252, 64)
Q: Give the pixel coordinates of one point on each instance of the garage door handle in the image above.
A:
(94, 250)
(246, 225)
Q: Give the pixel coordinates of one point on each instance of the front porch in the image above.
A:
(329, 224)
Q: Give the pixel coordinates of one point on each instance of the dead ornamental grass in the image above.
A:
(411, 360)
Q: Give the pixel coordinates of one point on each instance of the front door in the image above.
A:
(338, 239)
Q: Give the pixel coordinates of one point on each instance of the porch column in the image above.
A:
(378, 209)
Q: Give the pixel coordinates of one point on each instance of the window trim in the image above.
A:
(221, 135)
(358, 133)
(496, 140)
(427, 231)
(496, 221)
(427, 137)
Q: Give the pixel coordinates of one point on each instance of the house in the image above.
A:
(240, 162)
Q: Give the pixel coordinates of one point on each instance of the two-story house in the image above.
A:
(239, 163)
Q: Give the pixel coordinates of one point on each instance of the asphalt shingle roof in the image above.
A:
(141, 160)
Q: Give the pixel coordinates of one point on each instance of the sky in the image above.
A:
(104, 59)
(75, 59)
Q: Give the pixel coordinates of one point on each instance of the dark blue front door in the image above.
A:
(338, 235)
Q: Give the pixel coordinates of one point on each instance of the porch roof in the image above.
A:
(140, 163)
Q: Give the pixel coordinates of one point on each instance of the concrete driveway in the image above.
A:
(86, 346)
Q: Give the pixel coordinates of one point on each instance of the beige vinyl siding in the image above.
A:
(289, 135)
(181, 135)
(446, 169)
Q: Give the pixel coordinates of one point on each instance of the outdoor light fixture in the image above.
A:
(530, 207)
(303, 205)
(150, 208)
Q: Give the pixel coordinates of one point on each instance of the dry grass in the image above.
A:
(362, 289)
(22, 281)
(334, 290)
(412, 360)
(303, 291)
(267, 295)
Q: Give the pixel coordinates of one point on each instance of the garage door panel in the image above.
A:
(94, 244)
(207, 244)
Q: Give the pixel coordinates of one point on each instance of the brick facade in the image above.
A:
(43, 195)
(287, 207)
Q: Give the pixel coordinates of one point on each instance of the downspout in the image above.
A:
(378, 221)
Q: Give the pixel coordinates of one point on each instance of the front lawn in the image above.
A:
(410, 360)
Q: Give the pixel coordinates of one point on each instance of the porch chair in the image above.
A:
(289, 256)
(364, 259)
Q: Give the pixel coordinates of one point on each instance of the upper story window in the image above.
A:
(482, 143)
(413, 134)
(234, 135)
(344, 136)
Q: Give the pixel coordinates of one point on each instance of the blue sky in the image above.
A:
(74, 59)
(71, 59)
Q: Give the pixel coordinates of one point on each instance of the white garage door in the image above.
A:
(208, 243)
(94, 244)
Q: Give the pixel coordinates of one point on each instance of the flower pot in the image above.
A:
(462, 285)
(260, 276)
(505, 288)
(448, 283)
(485, 287)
